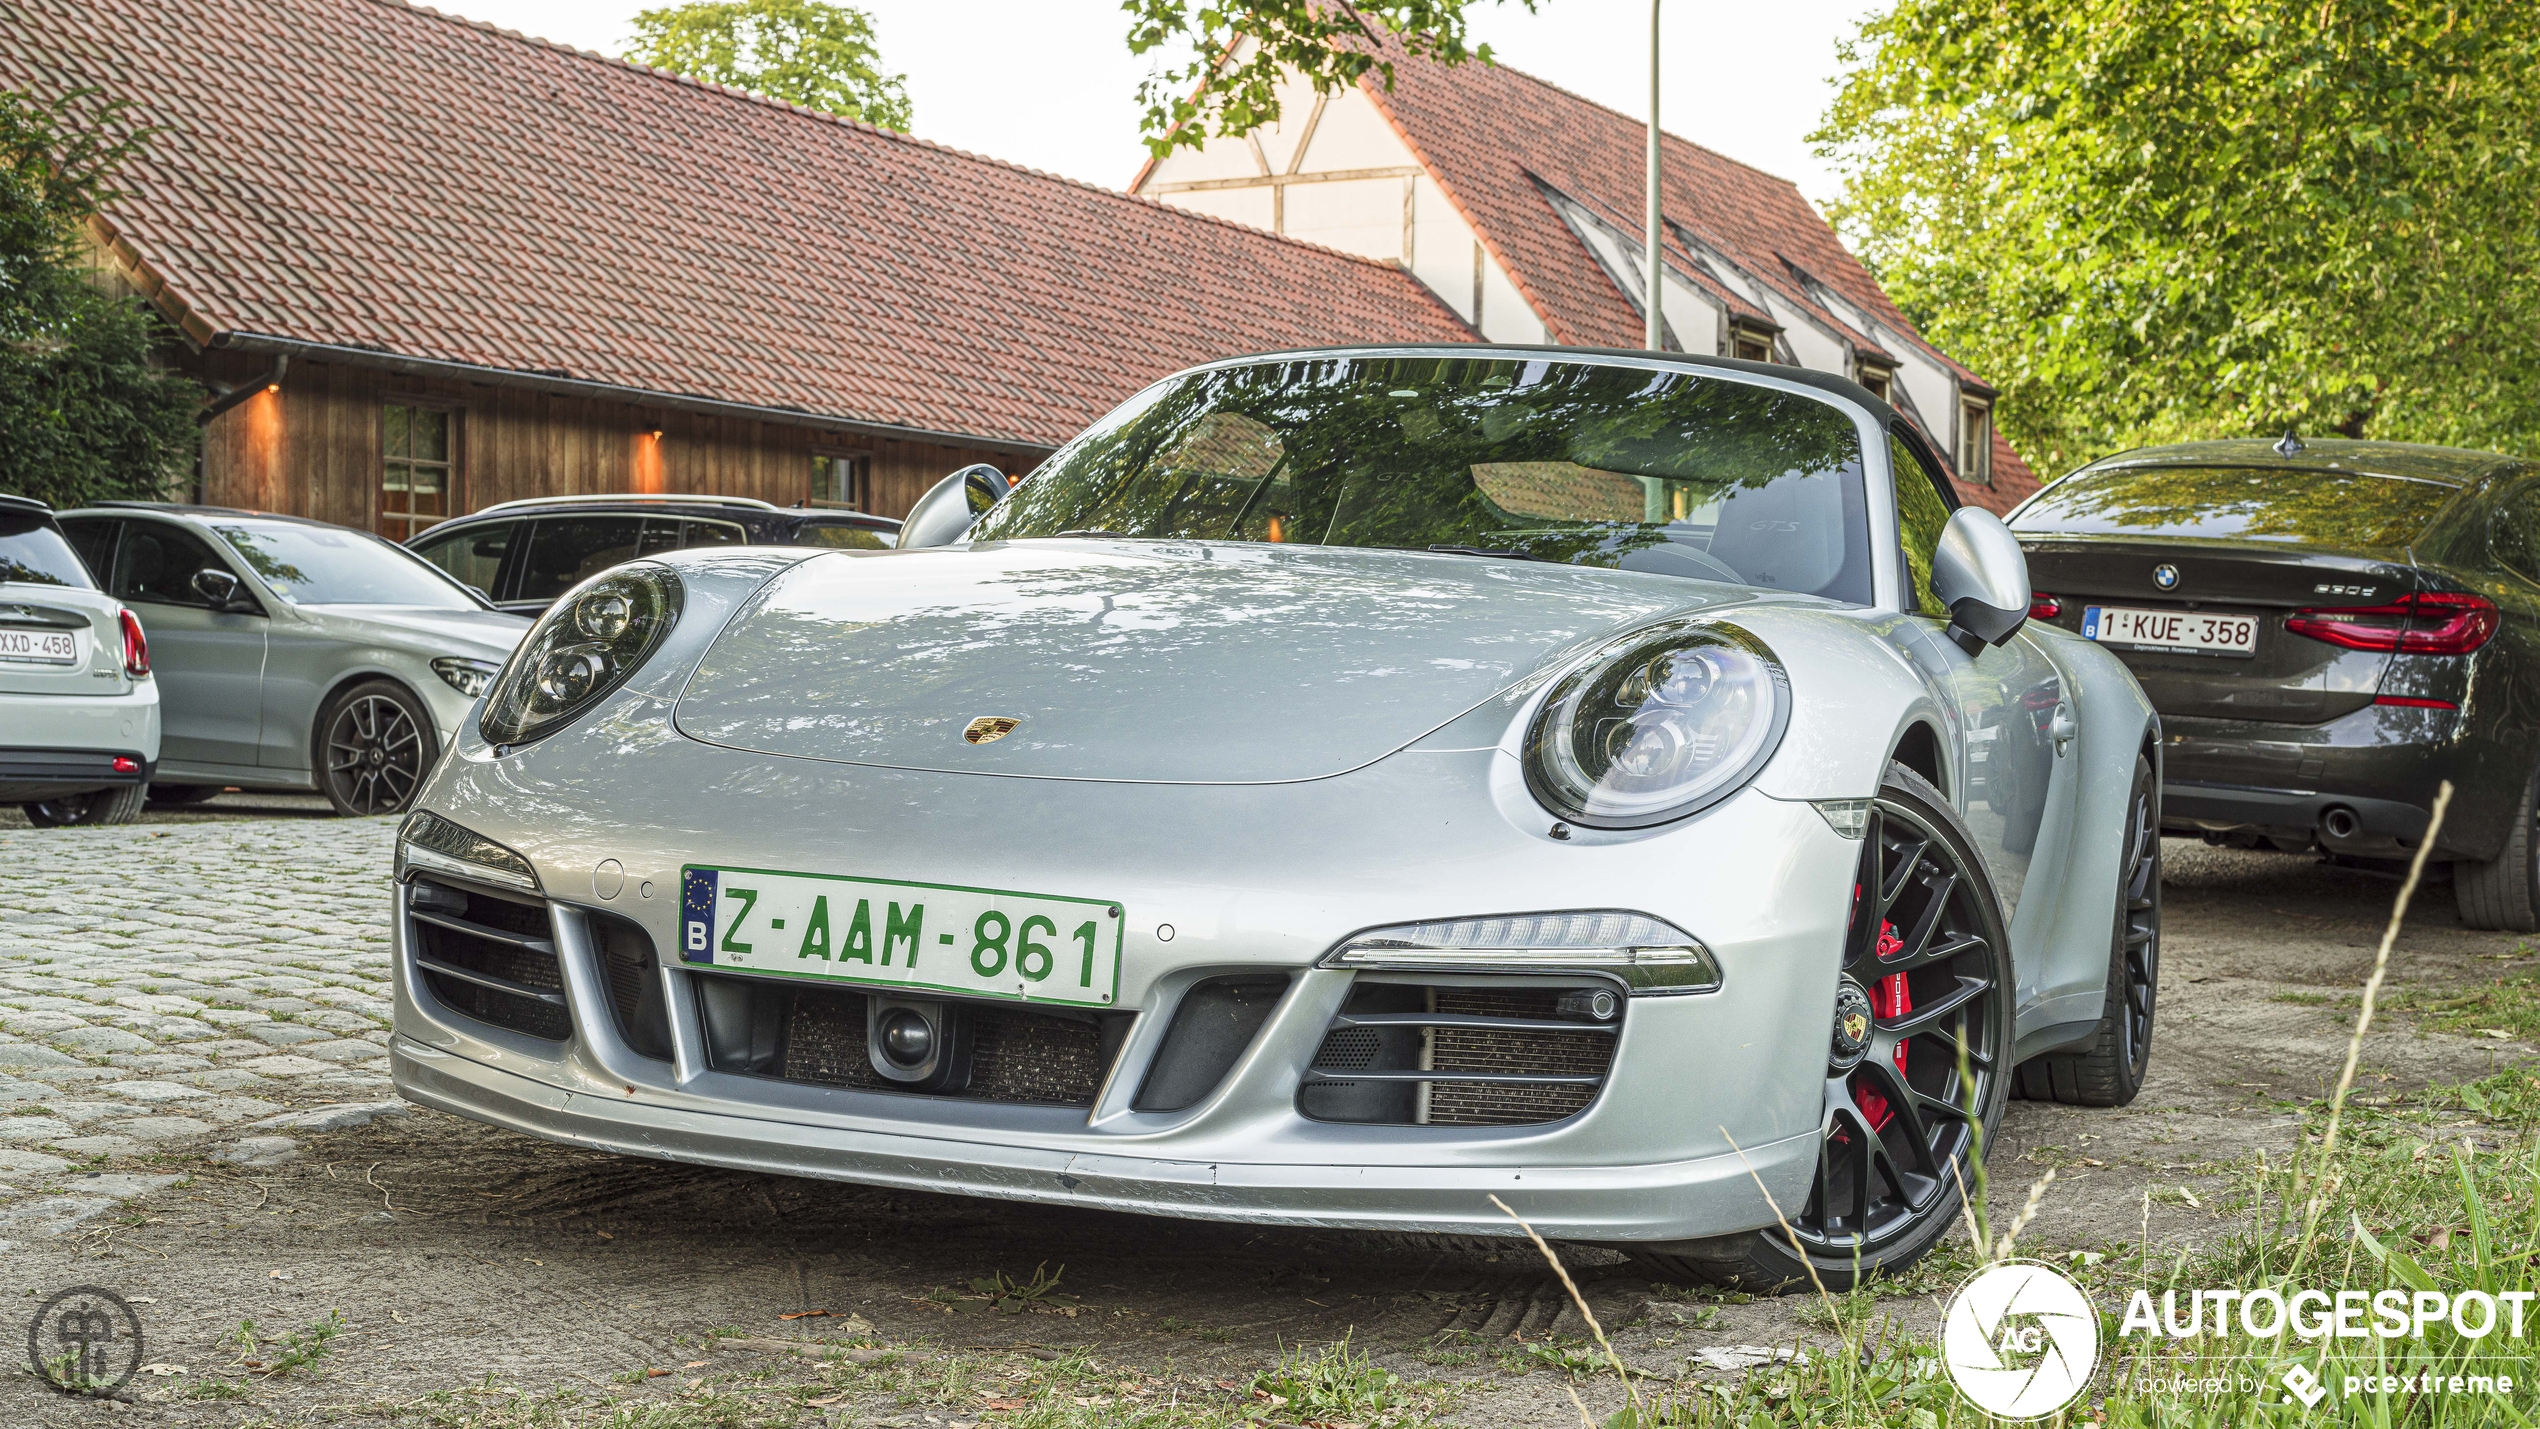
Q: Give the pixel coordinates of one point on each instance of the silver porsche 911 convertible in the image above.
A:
(1338, 788)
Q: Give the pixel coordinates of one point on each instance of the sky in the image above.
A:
(1051, 84)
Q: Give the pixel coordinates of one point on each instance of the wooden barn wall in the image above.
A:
(313, 449)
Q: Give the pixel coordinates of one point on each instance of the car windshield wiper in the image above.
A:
(1490, 551)
(1096, 531)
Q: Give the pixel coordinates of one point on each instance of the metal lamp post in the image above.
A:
(1653, 331)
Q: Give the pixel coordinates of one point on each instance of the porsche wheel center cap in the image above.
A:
(1851, 1026)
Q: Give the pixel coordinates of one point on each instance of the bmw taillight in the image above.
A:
(136, 646)
(2042, 606)
(2438, 622)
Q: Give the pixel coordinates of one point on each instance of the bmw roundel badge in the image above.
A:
(2165, 576)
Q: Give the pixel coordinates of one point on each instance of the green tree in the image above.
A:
(808, 53)
(86, 413)
(2161, 221)
(1240, 48)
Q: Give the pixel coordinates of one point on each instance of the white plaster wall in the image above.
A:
(1296, 108)
(1934, 389)
(1247, 206)
(1353, 135)
(1216, 159)
(1442, 247)
(1506, 317)
(1699, 321)
(1362, 216)
(1815, 347)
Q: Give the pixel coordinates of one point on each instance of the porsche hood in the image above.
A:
(1176, 662)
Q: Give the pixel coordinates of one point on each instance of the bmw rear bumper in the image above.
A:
(2360, 784)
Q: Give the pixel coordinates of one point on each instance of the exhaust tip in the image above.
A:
(2340, 822)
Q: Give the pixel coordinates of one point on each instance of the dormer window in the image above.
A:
(1975, 442)
(1876, 378)
(1750, 344)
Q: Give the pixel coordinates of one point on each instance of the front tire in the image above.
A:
(1910, 1097)
(119, 805)
(2503, 893)
(375, 745)
(2109, 1071)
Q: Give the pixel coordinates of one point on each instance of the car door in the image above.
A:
(2013, 719)
(209, 663)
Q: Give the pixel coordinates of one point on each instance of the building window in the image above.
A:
(1877, 380)
(1975, 443)
(416, 472)
(1750, 345)
(841, 480)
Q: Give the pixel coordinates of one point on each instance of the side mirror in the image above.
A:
(947, 510)
(1980, 576)
(219, 587)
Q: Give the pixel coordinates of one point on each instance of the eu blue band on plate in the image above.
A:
(696, 915)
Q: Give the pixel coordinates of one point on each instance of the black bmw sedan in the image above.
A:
(2329, 630)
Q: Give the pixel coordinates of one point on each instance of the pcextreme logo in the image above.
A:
(2020, 1340)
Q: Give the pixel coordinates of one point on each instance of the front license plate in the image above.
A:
(39, 647)
(915, 937)
(2172, 629)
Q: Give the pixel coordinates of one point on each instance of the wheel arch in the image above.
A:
(1918, 748)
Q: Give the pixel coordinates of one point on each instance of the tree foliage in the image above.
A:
(85, 412)
(802, 51)
(2159, 221)
(1241, 48)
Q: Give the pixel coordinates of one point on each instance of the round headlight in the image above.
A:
(581, 650)
(1656, 726)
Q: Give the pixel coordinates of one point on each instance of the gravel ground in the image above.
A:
(192, 1024)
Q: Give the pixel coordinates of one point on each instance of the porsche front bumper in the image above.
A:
(1711, 1100)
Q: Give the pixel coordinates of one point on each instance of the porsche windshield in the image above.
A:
(1700, 476)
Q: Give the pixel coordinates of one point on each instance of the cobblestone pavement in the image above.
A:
(167, 986)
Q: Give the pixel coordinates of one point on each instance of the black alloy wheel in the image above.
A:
(1918, 1068)
(2108, 1070)
(375, 745)
(119, 805)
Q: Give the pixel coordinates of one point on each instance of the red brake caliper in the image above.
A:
(1890, 999)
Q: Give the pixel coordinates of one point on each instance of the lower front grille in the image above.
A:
(1016, 1054)
(489, 957)
(1412, 1054)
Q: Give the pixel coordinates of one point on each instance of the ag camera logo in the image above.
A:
(2020, 1340)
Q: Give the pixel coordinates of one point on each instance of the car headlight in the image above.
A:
(468, 677)
(581, 650)
(1657, 725)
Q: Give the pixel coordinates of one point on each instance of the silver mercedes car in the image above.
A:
(292, 654)
(1338, 788)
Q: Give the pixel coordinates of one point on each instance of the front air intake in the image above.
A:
(1464, 1053)
(488, 956)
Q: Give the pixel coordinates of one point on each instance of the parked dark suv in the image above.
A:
(523, 554)
(2329, 630)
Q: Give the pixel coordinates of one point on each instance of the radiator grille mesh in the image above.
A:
(498, 959)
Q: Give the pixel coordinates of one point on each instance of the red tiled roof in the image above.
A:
(367, 173)
(1487, 133)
